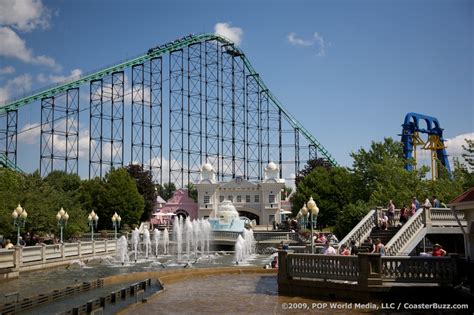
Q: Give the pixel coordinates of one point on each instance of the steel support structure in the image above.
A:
(106, 124)
(253, 154)
(193, 113)
(147, 116)
(297, 151)
(313, 152)
(239, 157)
(227, 158)
(264, 131)
(8, 135)
(59, 138)
(176, 117)
(211, 104)
(156, 119)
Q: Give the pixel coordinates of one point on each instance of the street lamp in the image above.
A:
(19, 219)
(62, 218)
(93, 218)
(116, 222)
(313, 211)
(304, 213)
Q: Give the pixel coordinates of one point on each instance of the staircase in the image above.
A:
(384, 235)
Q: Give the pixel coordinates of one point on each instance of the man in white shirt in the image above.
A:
(329, 250)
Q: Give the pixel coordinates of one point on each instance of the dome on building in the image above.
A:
(207, 167)
(272, 166)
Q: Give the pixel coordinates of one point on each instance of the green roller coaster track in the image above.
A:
(6, 163)
(178, 44)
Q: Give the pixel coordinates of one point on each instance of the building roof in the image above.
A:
(160, 200)
(467, 196)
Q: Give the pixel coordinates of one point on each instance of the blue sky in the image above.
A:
(349, 71)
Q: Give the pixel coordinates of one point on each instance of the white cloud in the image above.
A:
(316, 41)
(293, 39)
(75, 74)
(17, 85)
(454, 146)
(29, 134)
(25, 15)
(232, 33)
(15, 47)
(7, 70)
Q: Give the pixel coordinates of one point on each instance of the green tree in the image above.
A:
(366, 164)
(192, 191)
(166, 191)
(146, 188)
(331, 189)
(120, 195)
(350, 215)
(468, 155)
(310, 166)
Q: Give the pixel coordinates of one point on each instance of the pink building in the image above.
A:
(180, 204)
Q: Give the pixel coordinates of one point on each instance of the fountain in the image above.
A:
(122, 250)
(166, 242)
(135, 239)
(227, 218)
(156, 240)
(244, 246)
(146, 242)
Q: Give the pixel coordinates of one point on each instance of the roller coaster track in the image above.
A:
(157, 52)
(5, 162)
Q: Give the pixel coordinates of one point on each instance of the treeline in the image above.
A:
(345, 195)
(128, 191)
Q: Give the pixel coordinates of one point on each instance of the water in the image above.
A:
(244, 246)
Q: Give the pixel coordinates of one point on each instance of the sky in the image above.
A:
(349, 71)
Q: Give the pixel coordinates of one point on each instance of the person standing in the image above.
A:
(436, 203)
(379, 247)
(371, 245)
(354, 248)
(391, 213)
(417, 203)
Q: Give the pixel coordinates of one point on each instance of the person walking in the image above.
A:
(354, 248)
(379, 247)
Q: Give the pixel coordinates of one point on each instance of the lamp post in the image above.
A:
(19, 216)
(116, 222)
(313, 211)
(304, 213)
(62, 218)
(93, 218)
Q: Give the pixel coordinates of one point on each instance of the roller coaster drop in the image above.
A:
(220, 112)
(435, 143)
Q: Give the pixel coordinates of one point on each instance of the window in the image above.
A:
(221, 198)
(257, 198)
(239, 198)
(230, 198)
(271, 198)
(207, 199)
(247, 198)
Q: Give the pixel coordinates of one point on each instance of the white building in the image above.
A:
(259, 201)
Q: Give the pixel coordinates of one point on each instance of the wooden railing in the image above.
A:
(418, 269)
(362, 230)
(323, 266)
